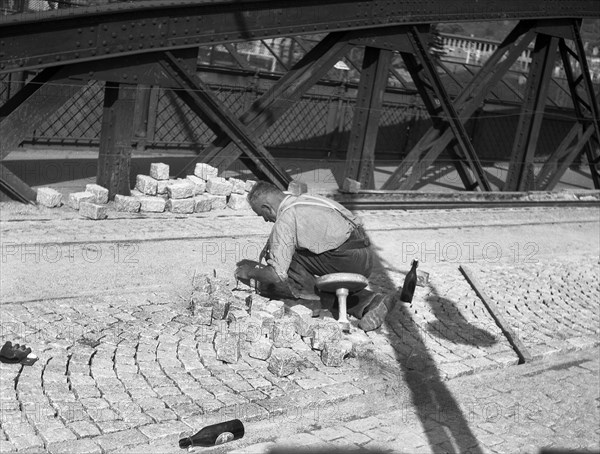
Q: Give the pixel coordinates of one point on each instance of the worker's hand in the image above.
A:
(242, 272)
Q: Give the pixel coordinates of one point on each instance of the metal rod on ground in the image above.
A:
(513, 339)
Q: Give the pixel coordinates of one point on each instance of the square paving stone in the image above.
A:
(84, 429)
(164, 429)
(121, 439)
(117, 425)
(84, 446)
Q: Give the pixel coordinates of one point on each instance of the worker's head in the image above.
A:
(264, 199)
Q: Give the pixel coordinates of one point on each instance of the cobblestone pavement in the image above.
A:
(131, 367)
(546, 405)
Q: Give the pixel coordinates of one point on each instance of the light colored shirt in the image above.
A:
(305, 222)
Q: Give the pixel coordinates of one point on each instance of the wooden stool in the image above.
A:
(342, 284)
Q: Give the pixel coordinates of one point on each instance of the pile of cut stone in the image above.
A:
(90, 203)
(203, 191)
(254, 325)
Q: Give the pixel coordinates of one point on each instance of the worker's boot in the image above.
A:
(374, 313)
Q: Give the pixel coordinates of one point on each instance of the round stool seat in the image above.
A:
(350, 281)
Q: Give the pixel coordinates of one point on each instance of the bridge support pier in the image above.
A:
(114, 158)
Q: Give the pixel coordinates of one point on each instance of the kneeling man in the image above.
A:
(312, 236)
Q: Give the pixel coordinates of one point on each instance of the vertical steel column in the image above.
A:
(114, 158)
(592, 153)
(140, 116)
(360, 159)
(520, 169)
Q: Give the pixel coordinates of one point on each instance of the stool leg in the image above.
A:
(341, 294)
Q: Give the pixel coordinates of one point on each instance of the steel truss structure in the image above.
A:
(156, 43)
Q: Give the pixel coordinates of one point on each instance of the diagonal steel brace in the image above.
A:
(205, 104)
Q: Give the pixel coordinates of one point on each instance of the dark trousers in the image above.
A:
(306, 266)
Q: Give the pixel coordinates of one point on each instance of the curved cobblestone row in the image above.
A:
(133, 368)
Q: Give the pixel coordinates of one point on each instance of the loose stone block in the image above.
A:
(261, 349)
(200, 298)
(351, 185)
(75, 198)
(49, 197)
(181, 189)
(92, 210)
(205, 171)
(303, 319)
(159, 171)
(202, 203)
(136, 193)
(204, 315)
(218, 186)
(255, 298)
(236, 315)
(227, 348)
(185, 206)
(127, 203)
(273, 307)
(250, 329)
(152, 204)
(99, 192)
(326, 315)
(297, 187)
(284, 332)
(300, 311)
(239, 303)
(220, 308)
(237, 186)
(199, 184)
(238, 202)
(323, 332)
(146, 185)
(282, 362)
(334, 352)
(249, 185)
(161, 186)
(218, 202)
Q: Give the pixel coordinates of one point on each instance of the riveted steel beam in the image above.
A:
(205, 104)
(135, 69)
(360, 158)
(33, 41)
(434, 142)
(520, 169)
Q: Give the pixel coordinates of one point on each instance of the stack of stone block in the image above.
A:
(201, 192)
(91, 203)
(260, 328)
